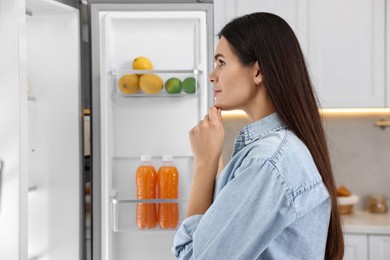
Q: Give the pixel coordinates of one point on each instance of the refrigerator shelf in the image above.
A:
(121, 72)
(124, 201)
(164, 74)
(124, 214)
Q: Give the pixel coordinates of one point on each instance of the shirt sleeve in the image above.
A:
(246, 216)
(183, 239)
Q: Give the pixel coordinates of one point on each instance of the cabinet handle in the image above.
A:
(382, 123)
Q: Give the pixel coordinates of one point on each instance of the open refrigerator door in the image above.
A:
(177, 40)
(54, 130)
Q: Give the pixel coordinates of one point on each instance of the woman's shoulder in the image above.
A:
(291, 160)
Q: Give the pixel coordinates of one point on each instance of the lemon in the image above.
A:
(173, 85)
(151, 83)
(142, 63)
(128, 84)
(189, 85)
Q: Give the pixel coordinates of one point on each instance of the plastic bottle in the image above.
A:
(168, 186)
(146, 178)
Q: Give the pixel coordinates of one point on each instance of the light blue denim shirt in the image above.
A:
(269, 202)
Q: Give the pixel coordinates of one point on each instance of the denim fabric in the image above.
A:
(269, 202)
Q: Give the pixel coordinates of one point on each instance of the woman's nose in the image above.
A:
(212, 77)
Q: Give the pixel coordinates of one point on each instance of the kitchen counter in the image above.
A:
(366, 222)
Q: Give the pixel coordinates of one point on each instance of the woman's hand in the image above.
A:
(207, 137)
(206, 142)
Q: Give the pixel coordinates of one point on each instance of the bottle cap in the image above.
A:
(167, 158)
(146, 158)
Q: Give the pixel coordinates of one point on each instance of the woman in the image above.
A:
(276, 197)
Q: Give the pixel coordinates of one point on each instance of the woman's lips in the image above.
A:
(216, 91)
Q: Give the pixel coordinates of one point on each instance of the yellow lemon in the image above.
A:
(151, 83)
(142, 63)
(128, 84)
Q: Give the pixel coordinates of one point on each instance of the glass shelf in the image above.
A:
(164, 74)
(124, 214)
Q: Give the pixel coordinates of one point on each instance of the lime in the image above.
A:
(173, 85)
(189, 85)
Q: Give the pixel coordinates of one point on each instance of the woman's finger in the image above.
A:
(215, 117)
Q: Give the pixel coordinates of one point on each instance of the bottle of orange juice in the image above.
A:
(168, 185)
(146, 178)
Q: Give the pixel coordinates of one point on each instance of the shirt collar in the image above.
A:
(257, 130)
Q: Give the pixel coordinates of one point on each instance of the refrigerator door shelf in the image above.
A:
(124, 214)
(164, 74)
(123, 176)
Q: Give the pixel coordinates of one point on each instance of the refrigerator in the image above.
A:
(40, 143)
(177, 38)
(42, 192)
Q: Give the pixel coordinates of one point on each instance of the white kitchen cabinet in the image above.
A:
(346, 52)
(366, 247)
(343, 42)
(388, 54)
(366, 236)
(355, 247)
(294, 12)
(379, 247)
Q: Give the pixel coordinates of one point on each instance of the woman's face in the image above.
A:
(233, 83)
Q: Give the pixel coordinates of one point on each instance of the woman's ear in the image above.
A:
(258, 78)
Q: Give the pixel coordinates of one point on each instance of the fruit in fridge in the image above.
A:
(142, 63)
(173, 85)
(168, 184)
(128, 84)
(151, 83)
(146, 178)
(189, 85)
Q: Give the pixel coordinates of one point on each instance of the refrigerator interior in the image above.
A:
(54, 161)
(137, 124)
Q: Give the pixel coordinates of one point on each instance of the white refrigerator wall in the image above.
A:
(176, 43)
(54, 127)
(13, 134)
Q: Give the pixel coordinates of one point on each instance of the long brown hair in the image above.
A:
(267, 39)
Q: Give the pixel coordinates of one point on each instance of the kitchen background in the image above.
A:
(348, 58)
(360, 151)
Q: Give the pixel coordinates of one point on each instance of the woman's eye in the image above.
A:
(221, 63)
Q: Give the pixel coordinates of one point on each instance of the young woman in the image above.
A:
(276, 198)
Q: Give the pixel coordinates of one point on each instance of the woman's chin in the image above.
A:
(224, 107)
(220, 106)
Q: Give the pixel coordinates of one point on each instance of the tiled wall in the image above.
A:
(360, 152)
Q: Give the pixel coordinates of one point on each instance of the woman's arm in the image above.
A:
(247, 215)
